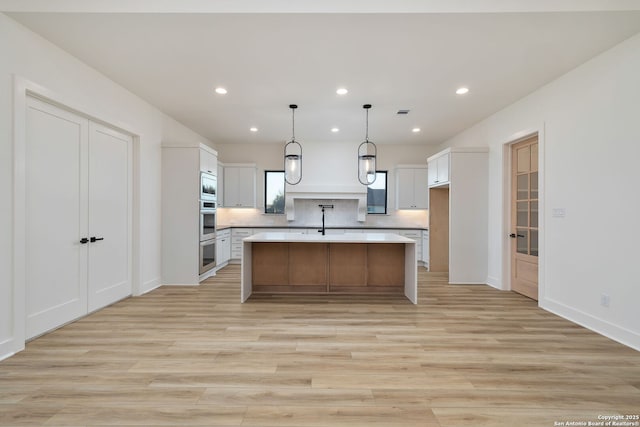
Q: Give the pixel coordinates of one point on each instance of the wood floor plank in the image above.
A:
(347, 416)
(147, 415)
(287, 397)
(27, 414)
(510, 417)
(467, 355)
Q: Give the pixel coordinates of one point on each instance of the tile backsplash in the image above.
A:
(309, 214)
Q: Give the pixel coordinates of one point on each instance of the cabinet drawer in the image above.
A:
(226, 234)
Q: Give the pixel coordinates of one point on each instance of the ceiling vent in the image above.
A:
(401, 112)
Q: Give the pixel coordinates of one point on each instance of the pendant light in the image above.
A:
(292, 161)
(367, 152)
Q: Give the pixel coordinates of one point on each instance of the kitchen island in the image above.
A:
(352, 264)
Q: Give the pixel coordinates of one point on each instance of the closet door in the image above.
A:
(56, 217)
(109, 216)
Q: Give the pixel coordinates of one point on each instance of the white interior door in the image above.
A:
(78, 216)
(56, 217)
(109, 216)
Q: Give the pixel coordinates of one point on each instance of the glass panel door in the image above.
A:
(527, 200)
(524, 221)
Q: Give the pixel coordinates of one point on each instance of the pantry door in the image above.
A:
(524, 217)
(110, 220)
(56, 216)
(78, 216)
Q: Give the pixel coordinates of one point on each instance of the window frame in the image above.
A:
(284, 191)
(386, 194)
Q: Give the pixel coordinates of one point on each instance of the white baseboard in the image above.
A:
(467, 283)
(495, 282)
(150, 285)
(8, 348)
(181, 284)
(221, 266)
(208, 274)
(602, 327)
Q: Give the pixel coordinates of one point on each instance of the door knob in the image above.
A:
(95, 239)
(84, 240)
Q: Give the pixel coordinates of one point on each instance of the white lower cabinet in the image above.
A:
(237, 234)
(223, 247)
(415, 235)
(425, 248)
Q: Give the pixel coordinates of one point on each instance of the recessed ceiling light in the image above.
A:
(342, 91)
(415, 130)
(221, 91)
(462, 90)
(253, 129)
(334, 130)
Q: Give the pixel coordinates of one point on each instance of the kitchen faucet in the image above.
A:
(323, 208)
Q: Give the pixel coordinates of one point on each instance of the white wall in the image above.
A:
(319, 161)
(588, 121)
(25, 54)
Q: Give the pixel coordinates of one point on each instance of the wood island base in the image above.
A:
(275, 263)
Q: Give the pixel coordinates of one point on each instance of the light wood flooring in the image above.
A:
(465, 356)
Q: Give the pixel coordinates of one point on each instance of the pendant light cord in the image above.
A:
(293, 124)
(366, 137)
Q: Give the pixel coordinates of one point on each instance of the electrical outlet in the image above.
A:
(604, 300)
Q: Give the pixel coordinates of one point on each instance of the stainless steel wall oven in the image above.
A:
(207, 255)
(208, 204)
(208, 187)
(207, 224)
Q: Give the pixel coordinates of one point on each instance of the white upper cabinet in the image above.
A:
(411, 187)
(239, 185)
(208, 160)
(439, 170)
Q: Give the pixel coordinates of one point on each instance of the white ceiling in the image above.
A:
(392, 60)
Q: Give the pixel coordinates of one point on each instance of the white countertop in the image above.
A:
(335, 238)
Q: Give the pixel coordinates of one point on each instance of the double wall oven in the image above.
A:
(208, 205)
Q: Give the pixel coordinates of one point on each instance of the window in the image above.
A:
(377, 194)
(274, 192)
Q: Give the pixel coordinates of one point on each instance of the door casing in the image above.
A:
(505, 221)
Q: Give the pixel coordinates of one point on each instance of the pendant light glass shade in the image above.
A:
(367, 168)
(367, 156)
(293, 167)
(293, 155)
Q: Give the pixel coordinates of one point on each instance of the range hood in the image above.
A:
(326, 192)
(329, 172)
